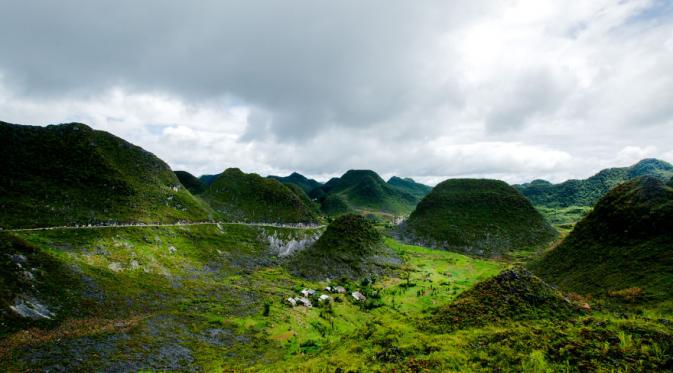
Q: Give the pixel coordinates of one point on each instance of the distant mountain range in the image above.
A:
(306, 184)
(71, 174)
(364, 191)
(588, 191)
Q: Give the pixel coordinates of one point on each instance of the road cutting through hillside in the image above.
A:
(269, 225)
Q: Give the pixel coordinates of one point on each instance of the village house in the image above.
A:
(305, 302)
(339, 289)
(359, 296)
(307, 292)
(292, 301)
(325, 297)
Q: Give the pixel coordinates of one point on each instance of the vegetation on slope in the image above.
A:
(563, 218)
(513, 295)
(148, 298)
(350, 247)
(363, 191)
(206, 180)
(588, 192)
(237, 196)
(410, 186)
(625, 242)
(191, 182)
(299, 192)
(306, 184)
(478, 217)
(212, 298)
(70, 174)
(35, 289)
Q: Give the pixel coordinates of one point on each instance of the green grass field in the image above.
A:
(211, 298)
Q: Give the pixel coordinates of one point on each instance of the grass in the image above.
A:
(216, 303)
(564, 218)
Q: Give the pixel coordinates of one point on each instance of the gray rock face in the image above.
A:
(31, 308)
(287, 246)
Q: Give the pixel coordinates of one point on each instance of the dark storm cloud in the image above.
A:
(304, 64)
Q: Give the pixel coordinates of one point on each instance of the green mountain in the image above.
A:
(363, 191)
(587, 192)
(299, 192)
(625, 242)
(408, 185)
(306, 184)
(189, 181)
(71, 174)
(206, 180)
(239, 196)
(351, 247)
(479, 217)
(513, 295)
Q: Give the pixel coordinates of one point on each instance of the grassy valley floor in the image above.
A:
(212, 298)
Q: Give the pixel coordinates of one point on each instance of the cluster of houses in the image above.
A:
(307, 294)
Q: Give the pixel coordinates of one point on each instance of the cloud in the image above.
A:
(509, 89)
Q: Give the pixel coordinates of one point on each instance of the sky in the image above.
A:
(513, 90)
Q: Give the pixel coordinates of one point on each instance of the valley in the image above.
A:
(128, 266)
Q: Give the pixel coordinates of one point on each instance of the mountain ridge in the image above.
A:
(586, 192)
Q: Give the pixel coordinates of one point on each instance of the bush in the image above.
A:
(630, 295)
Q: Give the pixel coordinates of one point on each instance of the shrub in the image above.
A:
(631, 295)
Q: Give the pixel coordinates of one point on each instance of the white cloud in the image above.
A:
(515, 90)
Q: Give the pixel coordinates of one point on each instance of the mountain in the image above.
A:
(189, 181)
(410, 186)
(587, 192)
(513, 295)
(350, 247)
(206, 180)
(299, 192)
(71, 174)
(479, 217)
(625, 242)
(239, 196)
(306, 184)
(363, 191)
